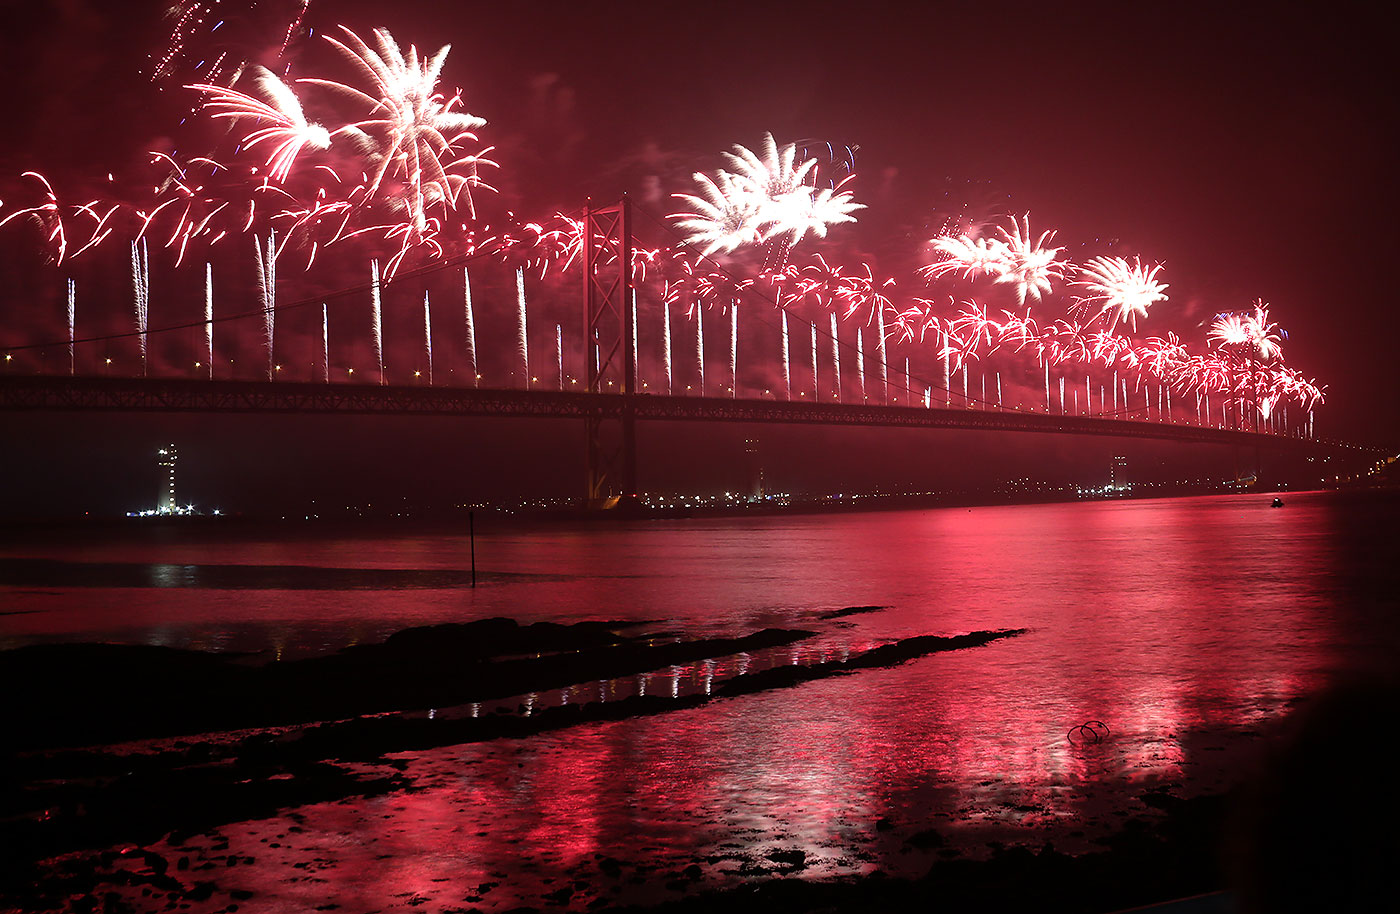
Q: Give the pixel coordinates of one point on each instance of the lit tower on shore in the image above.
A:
(165, 497)
(753, 465)
(1117, 474)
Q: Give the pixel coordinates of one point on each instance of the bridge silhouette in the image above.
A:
(22, 393)
(612, 401)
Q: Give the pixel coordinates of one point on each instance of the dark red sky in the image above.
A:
(1250, 148)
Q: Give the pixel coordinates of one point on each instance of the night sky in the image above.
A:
(1248, 148)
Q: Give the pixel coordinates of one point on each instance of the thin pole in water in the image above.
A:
(471, 530)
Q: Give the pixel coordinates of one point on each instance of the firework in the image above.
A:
(1122, 290)
(413, 129)
(287, 129)
(724, 219)
(47, 216)
(765, 198)
(1030, 266)
(968, 256)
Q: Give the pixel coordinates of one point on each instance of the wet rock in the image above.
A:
(794, 859)
(692, 872)
(560, 897)
(926, 839)
(610, 867)
(883, 824)
(201, 891)
(850, 611)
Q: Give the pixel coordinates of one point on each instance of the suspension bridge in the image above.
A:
(612, 399)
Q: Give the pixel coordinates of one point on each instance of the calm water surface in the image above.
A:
(1173, 621)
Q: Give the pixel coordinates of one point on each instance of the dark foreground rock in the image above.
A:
(62, 802)
(87, 694)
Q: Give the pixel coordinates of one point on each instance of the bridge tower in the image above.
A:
(611, 354)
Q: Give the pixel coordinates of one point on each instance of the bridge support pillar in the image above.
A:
(611, 338)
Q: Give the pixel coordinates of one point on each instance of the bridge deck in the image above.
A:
(23, 393)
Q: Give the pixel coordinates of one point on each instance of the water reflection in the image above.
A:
(1175, 623)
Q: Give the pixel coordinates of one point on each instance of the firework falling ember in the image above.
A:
(209, 318)
(884, 368)
(428, 336)
(860, 363)
(947, 379)
(1121, 290)
(47, 216)
(141, 284)
(215, 36)
(700, 346)
(559, 352)
(267, 293)
(666, 344)
(325, 343)
(787, 360)
(523, 339)
(471, 325)
(734, 351)
(376, 323)
(632, 330)
(816, 390)
(835, 358)
(72, 326)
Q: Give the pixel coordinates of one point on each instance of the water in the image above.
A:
(1181, 624)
